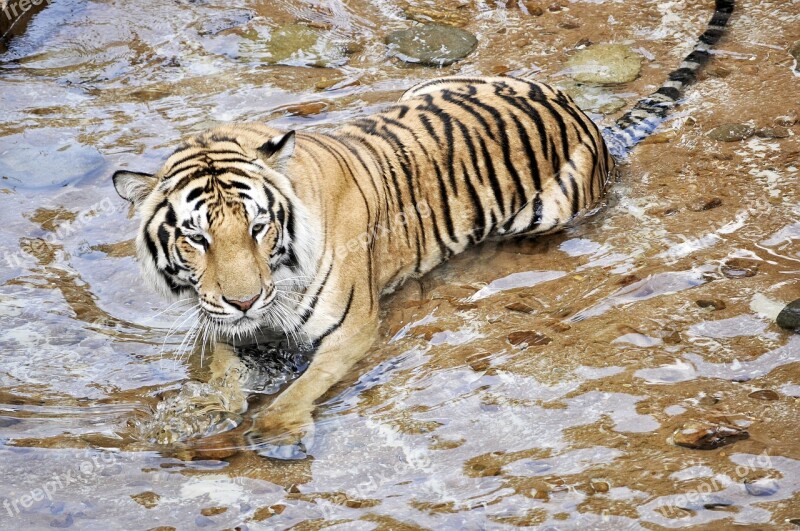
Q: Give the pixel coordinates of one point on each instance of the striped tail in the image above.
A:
(640, 122)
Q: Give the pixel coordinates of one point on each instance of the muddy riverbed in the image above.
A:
(541, 383)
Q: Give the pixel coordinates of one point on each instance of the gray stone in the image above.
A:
(789, 318)
(761, 487)
(300, 45)
(606, 64)
(431, 44)
(794, 50)
(731, 132)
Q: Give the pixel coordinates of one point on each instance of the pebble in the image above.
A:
(534, 9)
(431, 44)
(606, 64)
(761, 487)
(212, 511)
(787, 120)
(437, 15)
(529, 338)
(738, 268)
(520, 307)
(706, 204)
(569, 23)
(307, 109)
(707, 435)
(148, 499)
(794, 50)
(290, 39)
(789, 317)
(599, 487)
(731, 132)
(764, 394)
(772, 132)
(714, 304)
(427, 331)
(718, 71)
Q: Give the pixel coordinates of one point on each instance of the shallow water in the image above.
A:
(531, 383)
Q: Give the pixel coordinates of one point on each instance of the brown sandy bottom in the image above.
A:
(536, 383)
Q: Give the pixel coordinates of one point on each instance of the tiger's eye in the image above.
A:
(258, 227)
(197, 238)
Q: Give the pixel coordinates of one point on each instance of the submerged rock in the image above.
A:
(528, 338)
(296, 43)
(764, 394)
(772, 132)
(592, 97)
(761, 487)
(738, 268)
(714, 304)
(431, 44)
(789, 318)
(289, 40)
(436, 14)
(707, 435)
(794, 50)
(731, 132)
(606, 64)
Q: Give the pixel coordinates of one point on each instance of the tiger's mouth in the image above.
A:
(234, 320)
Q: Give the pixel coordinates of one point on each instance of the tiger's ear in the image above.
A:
(278, 150)
(133, 186)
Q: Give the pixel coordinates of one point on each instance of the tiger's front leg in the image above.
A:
(285, 428)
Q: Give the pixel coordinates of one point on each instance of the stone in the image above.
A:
(714, 304)
(707, 435)
(300, 44)
(520, 307)
(706, 204)
(786, 120)
(764, 394)
(794, 51)
(569, 23)
(529, 338)
(772, 132)
(289, 40)
(436, 15)
(606, 64)
(789, 317)
(738, 268)
(761, 487)
(731, 132)
(534, 9)
(431, 44)
(212, 511)
(307, 109)
(148, 499)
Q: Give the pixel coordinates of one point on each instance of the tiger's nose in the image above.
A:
(243, 305)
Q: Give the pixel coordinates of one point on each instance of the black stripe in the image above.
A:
(335, 326)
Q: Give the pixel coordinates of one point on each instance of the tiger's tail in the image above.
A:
(651, 111)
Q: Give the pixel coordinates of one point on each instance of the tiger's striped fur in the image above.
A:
(300, 233)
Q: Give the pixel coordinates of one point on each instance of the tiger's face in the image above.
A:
(220, 225)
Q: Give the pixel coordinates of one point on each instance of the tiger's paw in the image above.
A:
(285, 435)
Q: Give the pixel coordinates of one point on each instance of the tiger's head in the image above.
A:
(221, 223)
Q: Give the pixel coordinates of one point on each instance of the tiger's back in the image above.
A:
(486, 157)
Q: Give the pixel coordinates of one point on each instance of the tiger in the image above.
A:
(300, 233)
